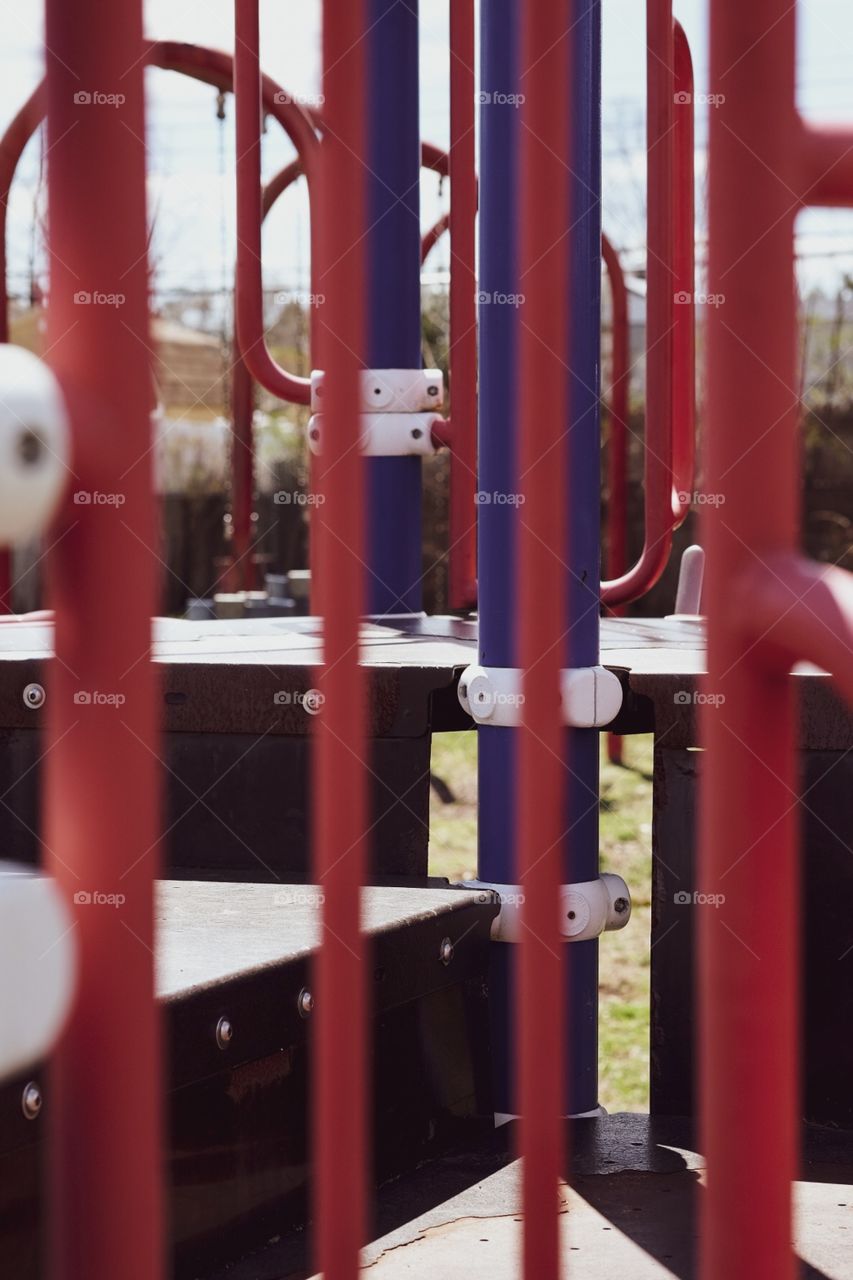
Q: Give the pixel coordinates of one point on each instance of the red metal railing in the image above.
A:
(767, 608)
(341, 1097)
(102, 822)
(617, 444)
(670, 417)
(684, 254)
(249, 300)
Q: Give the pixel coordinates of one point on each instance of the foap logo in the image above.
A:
(695, 899)
(299, 897)
(96, 298)
(94, 498)
(683, 99)
(690, 698)
(495, 98)
(497, 299)
(311, 700)
(284, 99)
(93, 698)
(683, 297)
(699, 499)
(95, 898)
(483, 498)
(296, 498)
(288, 296)
(83, 98)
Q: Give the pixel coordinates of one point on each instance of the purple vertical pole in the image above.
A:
(498, 482)
(394, 293)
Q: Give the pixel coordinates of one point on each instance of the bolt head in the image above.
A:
(224, 1033)
(305, 1003)
(620, 906)
(34, 696)
(31, 1100)
(446, 951)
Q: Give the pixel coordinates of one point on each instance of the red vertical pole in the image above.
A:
(101, 802)
(463, 309)
(543, 271)
(340, 1116)
(749, 945)
(242, 468)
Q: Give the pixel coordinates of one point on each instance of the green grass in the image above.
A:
(626, 848)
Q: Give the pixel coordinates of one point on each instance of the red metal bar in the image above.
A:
(766, 607)
(617, 451)
(660, 306)
(684, 311)
(543, 408)
(102, 819)
(463, 311)
(827, 164)
(249, 291)
(749, 952)
(242, 419)
(341, 1123)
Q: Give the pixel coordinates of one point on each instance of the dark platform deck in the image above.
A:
(413, 669)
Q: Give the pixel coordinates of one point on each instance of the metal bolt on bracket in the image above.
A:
(305, 1003)
(224, 1033)
(34, 696)
(446, 951)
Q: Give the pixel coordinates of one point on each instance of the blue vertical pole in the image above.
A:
(394, 292)
(498, 517)
(498, 473)
(583, 496)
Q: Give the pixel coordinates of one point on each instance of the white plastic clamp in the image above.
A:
(587, 909)
(34, 445)
(591, 696)
(397, 407)
(385, 435)
(390, 390)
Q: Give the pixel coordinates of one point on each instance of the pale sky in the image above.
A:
(191, 189)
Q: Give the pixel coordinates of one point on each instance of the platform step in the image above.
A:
(234, 962)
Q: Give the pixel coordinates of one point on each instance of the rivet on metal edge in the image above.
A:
(34, 696)
(31, 1100)
(224, 1033)
(446, 951)
(305, 1003)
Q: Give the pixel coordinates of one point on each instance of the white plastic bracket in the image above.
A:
(398, 411)
(587, 909)
(591, 696)
(385, 435)
(390, 390)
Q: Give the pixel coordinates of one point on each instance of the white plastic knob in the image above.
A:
(34, 445)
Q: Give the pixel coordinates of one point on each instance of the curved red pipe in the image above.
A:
(249, 288)
(684, 318)
(617, 452)
(431, 238)
(660, 307)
